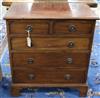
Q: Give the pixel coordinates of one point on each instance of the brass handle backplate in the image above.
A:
(69, 60)
(30, 61)
(29, 28)
(70, 44)
(67, 77)
(31, 76)
(72, 28)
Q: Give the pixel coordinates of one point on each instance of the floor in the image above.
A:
(3, 39)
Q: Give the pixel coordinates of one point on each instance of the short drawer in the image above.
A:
(73, 27)
(50, 43)
(49, 76)
(51, 59)
(35, 26)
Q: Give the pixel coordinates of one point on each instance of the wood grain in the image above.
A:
(71, 11)
(50, 60)
(50, 43)
(91, 3)
(48, 76)
(43, 27)
(62, 36)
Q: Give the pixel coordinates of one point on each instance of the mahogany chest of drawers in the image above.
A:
(50, 45)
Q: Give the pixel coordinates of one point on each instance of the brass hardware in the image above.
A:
(69, 60)
(31, 76)
(70, 44)
(30, 61)
(67, 77)
(29, 28)
(29, 40)
(49, 45)
(72, 28)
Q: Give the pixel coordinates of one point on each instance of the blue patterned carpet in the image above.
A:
(93, 77)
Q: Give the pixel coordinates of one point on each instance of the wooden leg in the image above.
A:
(15, 91)
(83, 91)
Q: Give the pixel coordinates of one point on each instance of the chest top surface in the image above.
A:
(50, 11)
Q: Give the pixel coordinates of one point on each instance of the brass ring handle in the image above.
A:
(70, 44)
(29, 40)
(30, 61)
(29, 28)
(31, 76)
(72, 28)
(69, 60)
(67, 77)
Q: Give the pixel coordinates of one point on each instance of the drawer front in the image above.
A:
(50, 59)
(49, 76)
(50, 43)
(72, 26)
(37, 27)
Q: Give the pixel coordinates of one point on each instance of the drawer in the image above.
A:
(73, 27)
(36, 27)
(49, 76)
(50, 59)
(50, 43)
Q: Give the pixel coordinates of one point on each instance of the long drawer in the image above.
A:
(48, 76)
(50, 59)
(20, 43)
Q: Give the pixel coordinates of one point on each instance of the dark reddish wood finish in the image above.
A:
(51, 61)
(38, 26)
(42, 27)
(49, 75)
(63, 27)
(45, 43)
